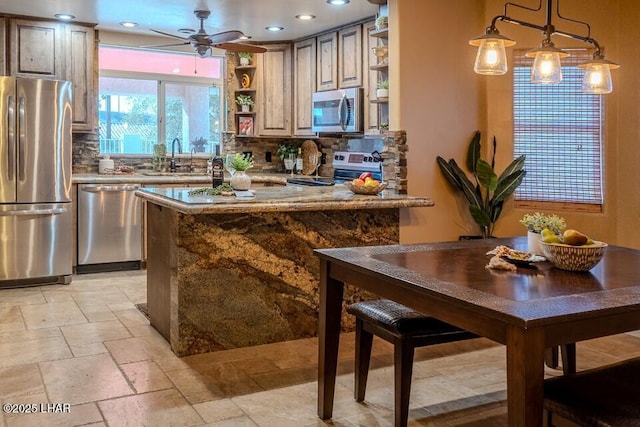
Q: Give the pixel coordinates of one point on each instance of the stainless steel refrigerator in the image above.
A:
(35, 182)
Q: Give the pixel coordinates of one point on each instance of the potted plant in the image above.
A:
(245, 58)
(198, 144)
(383, 89)
(241, 162)
(537, 222)
(245, 102)
(382, 22)
(287, 152)
(487, 193)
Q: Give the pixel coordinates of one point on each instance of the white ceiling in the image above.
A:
(248, 16)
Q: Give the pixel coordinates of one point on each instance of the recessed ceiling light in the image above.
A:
(129, 24)
(305, 17)
(65, 16)
(274, 28)
(186, 30)
(337, 2)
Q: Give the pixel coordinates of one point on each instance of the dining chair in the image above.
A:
(406, 329)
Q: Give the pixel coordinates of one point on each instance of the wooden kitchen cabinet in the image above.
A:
(36, 49)
(327, 61)
(304, 84)
(53, 50)
(79, 69)
(350, 57)
(3, 46)
(274, 91)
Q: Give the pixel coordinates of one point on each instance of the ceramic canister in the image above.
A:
(105, 165)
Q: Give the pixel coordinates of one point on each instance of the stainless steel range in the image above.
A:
(348, 165)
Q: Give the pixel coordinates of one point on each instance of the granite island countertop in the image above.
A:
(279, 199)
(167, 178)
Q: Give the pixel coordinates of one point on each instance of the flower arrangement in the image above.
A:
(242, 162)
(537, 222)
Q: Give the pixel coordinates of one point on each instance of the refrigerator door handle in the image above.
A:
(11, 135)
(108, 188)
(22, 164)
(34, 212)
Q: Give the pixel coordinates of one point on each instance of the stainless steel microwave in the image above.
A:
(338, 111)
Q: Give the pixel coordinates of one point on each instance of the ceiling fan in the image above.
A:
(203, 42)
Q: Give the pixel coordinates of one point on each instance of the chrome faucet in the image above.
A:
(172, 164)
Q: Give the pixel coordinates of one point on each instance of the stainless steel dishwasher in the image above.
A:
(109, 228)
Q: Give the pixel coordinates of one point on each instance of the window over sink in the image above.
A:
(560, 130)
(151, 97)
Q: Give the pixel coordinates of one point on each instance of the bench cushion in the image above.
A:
(606, 396)
(399, 318)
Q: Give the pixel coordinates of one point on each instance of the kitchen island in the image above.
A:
(228, 272)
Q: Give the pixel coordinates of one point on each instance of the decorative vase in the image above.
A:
(245, 108)
(240, 181)
(244, 62)
(533, 243)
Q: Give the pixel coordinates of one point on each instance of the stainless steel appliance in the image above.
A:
(109, 228)
(35, 182)
(348, 165)
(338, 111)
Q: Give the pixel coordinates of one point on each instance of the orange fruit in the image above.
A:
(358, 182)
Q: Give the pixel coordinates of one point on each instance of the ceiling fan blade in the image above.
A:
(225, 36)
(166, 45)
(169, 35)
(239, 47)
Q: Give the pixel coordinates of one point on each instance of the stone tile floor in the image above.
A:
(86, 345)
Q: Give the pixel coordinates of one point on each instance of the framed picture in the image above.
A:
(245, 126)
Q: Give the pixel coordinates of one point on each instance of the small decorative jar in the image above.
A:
(240, 181)
(533, 243)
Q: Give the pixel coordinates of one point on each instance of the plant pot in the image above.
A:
(240, 181)
(382, 93)
(244, 62)
(245, 108)
(533, 243)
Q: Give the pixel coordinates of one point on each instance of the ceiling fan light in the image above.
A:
(203, 51)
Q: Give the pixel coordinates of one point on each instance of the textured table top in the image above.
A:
(279, 199)
(166, 178)
(540, 294)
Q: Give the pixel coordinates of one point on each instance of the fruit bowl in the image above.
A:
(573, 258)
(366, 189)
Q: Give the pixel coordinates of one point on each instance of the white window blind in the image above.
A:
(559, 129)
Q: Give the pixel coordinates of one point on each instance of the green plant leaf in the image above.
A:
(473, 153)
(514, 166)
(486, 176)
(472, 194)
(508, 186)
(449, 173)
(479, 216)
(495, 210)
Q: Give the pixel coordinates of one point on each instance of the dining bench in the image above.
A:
(600, 397)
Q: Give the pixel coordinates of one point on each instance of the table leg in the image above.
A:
(331, 293)
(525, 376)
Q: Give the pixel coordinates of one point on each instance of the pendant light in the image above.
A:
(547, 68)
(546, 65)
(491, 59)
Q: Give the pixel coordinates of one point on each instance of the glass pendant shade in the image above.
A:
(597, 79)
(546, 68)
(491, 59)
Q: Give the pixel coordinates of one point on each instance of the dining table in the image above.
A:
(535, 307)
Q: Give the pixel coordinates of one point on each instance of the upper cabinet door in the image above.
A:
(350, 57)
(328, 61)
(304, 62)
(36, 49)
(3, 46)
(274, 91)
(81, 45)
